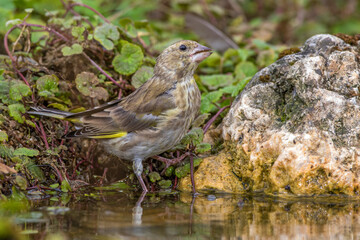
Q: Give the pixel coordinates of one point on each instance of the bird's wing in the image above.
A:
(140, 110)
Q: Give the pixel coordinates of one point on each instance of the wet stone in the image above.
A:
(300, 129)
(297, 132)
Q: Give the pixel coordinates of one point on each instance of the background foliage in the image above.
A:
(70, 57)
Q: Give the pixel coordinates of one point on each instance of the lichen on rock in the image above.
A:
(299, 130)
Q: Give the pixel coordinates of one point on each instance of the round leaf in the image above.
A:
(3, 136)
(141, 76)
(106, 34)
(16, 110)
(86, 82)
(18, 91)
(47, 85)
(129, 60)
(26, 152)
(74, 49)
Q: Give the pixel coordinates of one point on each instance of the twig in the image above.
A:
(100, 69)
(208, 13)
(175, 182)
(65, 132)
(168, 162)
(208, 124)
(17, 40)
(43, 135)
(69, 9)
(192, 174)
(103, 176)
(76, 167)
(92, 9)
(13, 61)
(59, 35)
(58, 173)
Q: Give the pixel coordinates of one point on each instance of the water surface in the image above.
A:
(118, 215)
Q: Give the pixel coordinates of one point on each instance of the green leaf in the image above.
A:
(6, 152)
(244, 54)
(21, 182)
(165, 184)
(65, 186)
(18, 91)
(240, 86)
(13, 22)
(3, 136)
(230, 53)
(216, 80)
(141, 76)
(59, 106)
(55, 185)
(106, 35)
(203, 147)
(212, 61)
(47, 85)
(206, 106)
(86, 82)
(29, 10)
(266, 58)
(114, 186)
(169, 171)
(74, 49)
(260, 44)
(154, 176)
(17, 195)
(4, 89)
(26, 152)
(245, 69)
(183, 171)
(16, 110)
(35, 171)
(141, 24)
(77, 32)
(127, 27)
(200, 120)
(194, 136)
(129, 60)
(214, 96)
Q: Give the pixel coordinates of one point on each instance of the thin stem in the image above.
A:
(43, 134)
(168, 162)
(58, 173)
(208, 124)
(13, 61)
(92, 9)
(46, 29)
(101, 70)
(192, 174)
(69, 9)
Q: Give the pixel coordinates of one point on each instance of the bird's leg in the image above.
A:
(138, 169)
(138, 210)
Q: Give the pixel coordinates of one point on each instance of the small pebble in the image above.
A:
(211, 197)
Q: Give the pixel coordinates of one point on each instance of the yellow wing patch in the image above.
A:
(115, 135)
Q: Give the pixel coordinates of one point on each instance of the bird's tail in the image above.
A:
(48, 112)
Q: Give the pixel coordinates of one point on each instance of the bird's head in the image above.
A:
(181, 58)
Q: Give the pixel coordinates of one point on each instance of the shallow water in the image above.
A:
(119, 215)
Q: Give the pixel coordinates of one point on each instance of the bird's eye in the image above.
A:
(182, 47)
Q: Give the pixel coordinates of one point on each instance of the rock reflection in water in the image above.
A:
(113, 216)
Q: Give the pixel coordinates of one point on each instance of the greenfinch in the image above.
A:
(150, 120)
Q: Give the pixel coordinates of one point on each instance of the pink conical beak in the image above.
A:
(200, 53)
